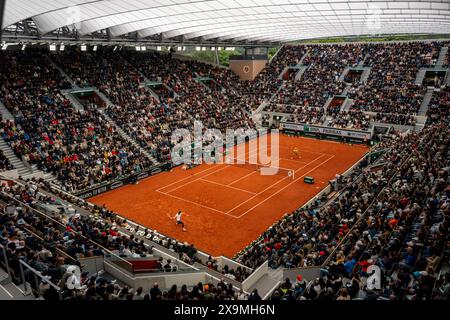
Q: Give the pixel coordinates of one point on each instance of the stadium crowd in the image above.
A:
(390, 88)
(390, 91)
(439, 106)
(151, 120)
(78, 146)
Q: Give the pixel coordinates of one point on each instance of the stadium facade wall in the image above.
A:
(247, 69)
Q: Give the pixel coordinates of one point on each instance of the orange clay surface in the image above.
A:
(227, 206)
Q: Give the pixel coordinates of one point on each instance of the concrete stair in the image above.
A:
(275, 94)
(442, 54)
(63, 73)
(425, 102)
(14, 160)
(361, 63)
(419, 77)
(344, 73)
(303, 58)
(6, 115)
(347, 87)
(327, 121)
(300, 73)
(347, 104)
(447, 79)
(10, 291)
(420, 123)
(365, 75)
(73, 100)
(25, 171)
(261, 107)
(268, 283)
(120, 130)
(4, 277)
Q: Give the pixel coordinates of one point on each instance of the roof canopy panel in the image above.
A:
(266, 20)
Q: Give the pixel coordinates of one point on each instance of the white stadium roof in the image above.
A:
(252, 20)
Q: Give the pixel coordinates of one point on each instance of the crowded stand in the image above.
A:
(395, 118)
(217, 106)
(78, 146)
(439, 106)
(150, 120)
(120, 82)
(390, 91)
(319, 82)
(390, 87)
(104, 221)
(352, 119)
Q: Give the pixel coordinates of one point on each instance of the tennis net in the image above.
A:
(252, 166)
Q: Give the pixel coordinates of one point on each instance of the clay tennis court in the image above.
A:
(227, 206)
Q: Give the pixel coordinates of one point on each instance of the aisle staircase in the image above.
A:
(420, 76)
(73, 100)
(9, 290)
(122, 133)
(425, 102)
(63, 73)
(442, 54)
(23, 169)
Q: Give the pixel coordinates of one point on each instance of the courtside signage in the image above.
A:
(325, 130)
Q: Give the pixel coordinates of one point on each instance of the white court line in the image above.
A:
(185, 178)
(249, 174)
(273, 184)
(7, 292)
(302, 162)
(189, 182)
(227, 186)
(321, 153)
(285, 187)
(197, 204)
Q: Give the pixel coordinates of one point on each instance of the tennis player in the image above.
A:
(295, 153)
(178, 219)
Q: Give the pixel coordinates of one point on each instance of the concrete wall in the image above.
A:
(247, 69)
(308, 273)
(255, 276)
(11, 174)
(164, 279)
